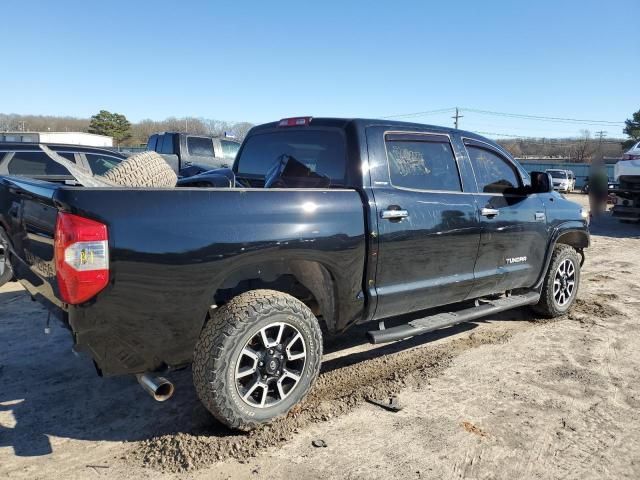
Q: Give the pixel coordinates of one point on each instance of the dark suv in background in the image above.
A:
(190, 154)
(29, 160)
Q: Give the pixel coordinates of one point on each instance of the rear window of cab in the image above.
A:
(321, 151)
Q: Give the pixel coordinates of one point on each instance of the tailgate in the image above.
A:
(27, 221)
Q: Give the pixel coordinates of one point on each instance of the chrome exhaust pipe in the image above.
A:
(159, 388)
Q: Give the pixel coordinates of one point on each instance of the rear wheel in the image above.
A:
(257, 358)
(561, 283)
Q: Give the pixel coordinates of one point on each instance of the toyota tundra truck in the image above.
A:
(325, 224)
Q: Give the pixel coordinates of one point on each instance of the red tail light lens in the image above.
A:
(81, 257)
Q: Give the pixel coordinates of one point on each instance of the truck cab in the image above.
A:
(191, 154)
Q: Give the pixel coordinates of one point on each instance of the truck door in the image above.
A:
(427, 224)
(514, 236)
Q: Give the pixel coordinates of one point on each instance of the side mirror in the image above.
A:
(541, 182)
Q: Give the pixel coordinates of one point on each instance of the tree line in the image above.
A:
(583, 149)
(116, 125)
(580, 150)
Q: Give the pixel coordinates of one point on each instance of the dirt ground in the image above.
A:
(508, 397)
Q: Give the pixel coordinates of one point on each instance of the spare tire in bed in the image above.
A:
(145, 169)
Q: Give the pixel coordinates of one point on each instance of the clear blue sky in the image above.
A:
(263, 60)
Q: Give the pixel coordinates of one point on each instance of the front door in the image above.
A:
(514, 237)
(427, 224)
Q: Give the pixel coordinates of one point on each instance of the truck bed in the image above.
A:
(170, 252)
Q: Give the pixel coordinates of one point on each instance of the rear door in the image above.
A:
(514, 227)
(427, 222)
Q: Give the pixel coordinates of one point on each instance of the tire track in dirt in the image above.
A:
(338, 392)
(335, 393)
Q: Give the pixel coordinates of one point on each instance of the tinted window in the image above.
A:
(200, 146)
(37, 163)
(229, 149)
(494, 174)
(151, 144)
(101, 164)
(422, 164)
(321, 151)
(167, 143)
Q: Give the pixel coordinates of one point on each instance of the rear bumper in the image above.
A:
(625, 213)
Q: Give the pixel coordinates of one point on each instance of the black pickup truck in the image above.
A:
(327, 223)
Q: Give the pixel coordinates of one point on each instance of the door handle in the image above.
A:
(489, 212)
(394, 214)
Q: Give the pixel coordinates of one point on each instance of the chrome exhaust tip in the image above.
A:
(159, 388)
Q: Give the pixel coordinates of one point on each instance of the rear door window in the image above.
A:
(200, 146)
(422, 162)
(36, 164)
(494, 174)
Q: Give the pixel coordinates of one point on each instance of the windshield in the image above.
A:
(557, 174)
(321, 151)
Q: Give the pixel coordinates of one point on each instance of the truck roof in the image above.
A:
(217, 137)
(362, 123)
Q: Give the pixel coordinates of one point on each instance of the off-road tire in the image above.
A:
(223, 338)
(547, 305)
(145, 169)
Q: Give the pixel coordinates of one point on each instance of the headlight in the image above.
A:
(584, 214)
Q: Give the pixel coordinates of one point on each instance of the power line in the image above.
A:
(544, 118)
(549, 141)
(420, 114)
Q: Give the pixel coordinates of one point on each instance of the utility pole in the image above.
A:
(601, 134)
(456, 117)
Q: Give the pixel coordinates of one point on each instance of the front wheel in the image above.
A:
(561, 283)
(257, 358)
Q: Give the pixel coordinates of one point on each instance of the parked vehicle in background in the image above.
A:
(611, 186)
(335, 222)
(190, 154)
(626, 199)
(29, 160)
(633, 153)
(563, 180)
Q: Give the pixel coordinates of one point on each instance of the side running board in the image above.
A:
(448, 319)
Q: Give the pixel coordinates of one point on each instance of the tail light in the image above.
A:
(81, 257)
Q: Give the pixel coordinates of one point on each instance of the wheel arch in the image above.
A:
(318, 292)
(573, 234)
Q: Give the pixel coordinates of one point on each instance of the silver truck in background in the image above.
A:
(626, 198)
